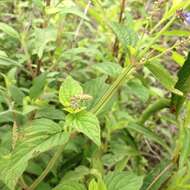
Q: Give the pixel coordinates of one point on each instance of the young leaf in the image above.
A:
(86, 123)
(99, 185)
(163, 76)
(9, 30)
(183, 84)
(35, 138)
(38, 86)
(158, 176)
(68, 89)
(123, 181)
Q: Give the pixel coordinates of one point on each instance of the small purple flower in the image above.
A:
(186, 17)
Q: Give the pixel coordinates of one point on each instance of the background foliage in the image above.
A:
(94, 94)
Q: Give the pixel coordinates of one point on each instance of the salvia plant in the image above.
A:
(94, 94)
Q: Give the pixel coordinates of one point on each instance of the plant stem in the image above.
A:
(48, 168)
(116, 43)
(112, 89)
(156, 37)
(156, 106)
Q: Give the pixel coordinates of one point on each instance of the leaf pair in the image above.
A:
(70, 95)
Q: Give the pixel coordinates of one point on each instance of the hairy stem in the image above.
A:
(112, 89)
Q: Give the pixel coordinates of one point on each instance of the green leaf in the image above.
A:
(185, 151)
(5, 61)
(38, 86)
(123, 181)
(34, 138)
(86, 123)
(96, 88)
(16, 94)
(9, 30)
(163, 76)
(148, 133)
(180, 33)
(42, 38)
(93, 185)
(68, 89)
(65, 10)
(50, 112)
(158, 176)
(109, 68)
(183, 84)
(178, 58)
(77, 174)
(126, 35)
(70, 186)
(138, 89)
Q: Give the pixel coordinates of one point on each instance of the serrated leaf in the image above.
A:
(158, 176)
(34, 138)
(9, 30)
(42, 38)
(38, 86)
(126, 35)
(70, 186)
(163, 76)
(68, 89)
(183, 84)
(86, 123)
(123, 181)
(147, 133)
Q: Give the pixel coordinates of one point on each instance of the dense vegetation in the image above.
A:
(94, 94)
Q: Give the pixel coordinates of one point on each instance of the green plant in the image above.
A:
(94, 95)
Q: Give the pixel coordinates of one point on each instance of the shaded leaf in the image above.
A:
(38, 86)
(42, 37)
(16, 94)
(70, 186)
(147, 133)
